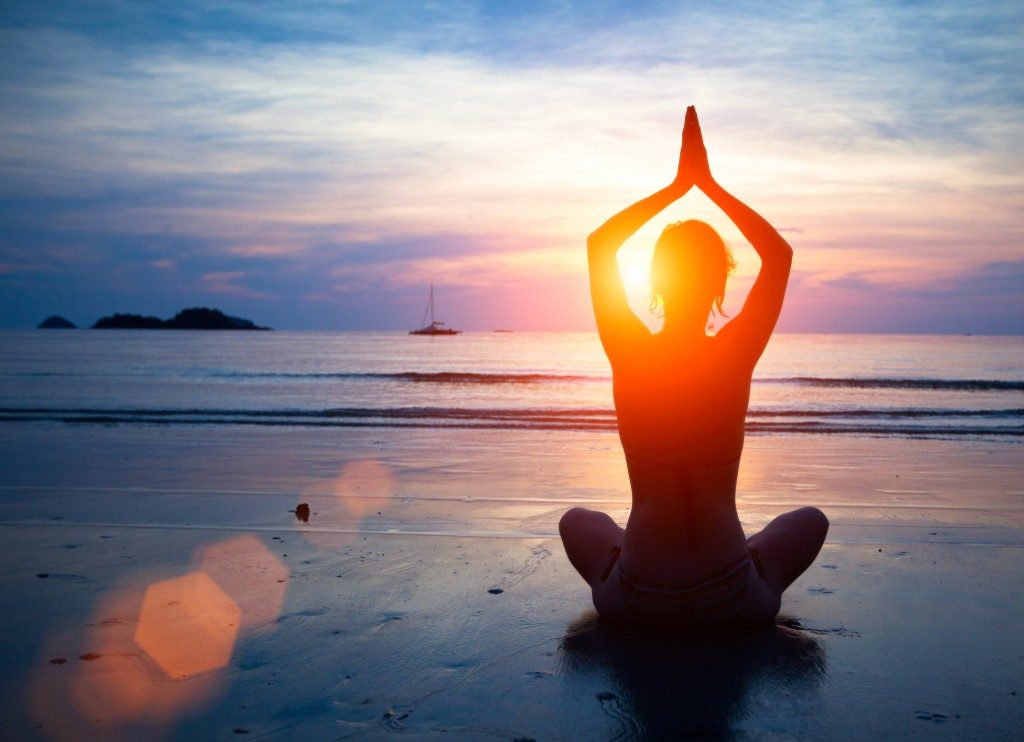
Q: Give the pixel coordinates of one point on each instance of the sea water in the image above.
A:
(943, 386)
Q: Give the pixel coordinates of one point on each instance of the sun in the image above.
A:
(635, 269)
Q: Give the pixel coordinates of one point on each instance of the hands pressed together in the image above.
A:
(750, 330)
(693, 157)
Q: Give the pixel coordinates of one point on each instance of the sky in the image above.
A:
(316, 165)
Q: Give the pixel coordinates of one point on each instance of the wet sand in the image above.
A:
(157, 581)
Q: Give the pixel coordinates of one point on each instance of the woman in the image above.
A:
(681, 400)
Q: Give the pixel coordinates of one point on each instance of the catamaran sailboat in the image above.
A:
(435, 327)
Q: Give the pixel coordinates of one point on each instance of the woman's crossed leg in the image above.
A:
(783, 551)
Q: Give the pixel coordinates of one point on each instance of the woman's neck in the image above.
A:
(683, 328)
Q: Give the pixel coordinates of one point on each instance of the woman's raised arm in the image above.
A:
(617, 326)
(749, 331)
(747, 334)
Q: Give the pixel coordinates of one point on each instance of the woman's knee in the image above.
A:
(572, 520)
(584, 518)
(814, 521)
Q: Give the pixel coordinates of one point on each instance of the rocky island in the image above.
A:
(56, 322)
(196, 318)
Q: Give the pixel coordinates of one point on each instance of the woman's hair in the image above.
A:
(690, 256)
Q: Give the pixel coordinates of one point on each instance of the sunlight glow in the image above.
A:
(635, 269)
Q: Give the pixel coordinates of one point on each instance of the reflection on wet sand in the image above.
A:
(668, 685)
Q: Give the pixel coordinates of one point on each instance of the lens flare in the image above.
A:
(188, 625)
(362, 490)
(151, 651)
(247, 571)
(104, 685)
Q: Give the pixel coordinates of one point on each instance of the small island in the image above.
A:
(196, 318)
(56, 322)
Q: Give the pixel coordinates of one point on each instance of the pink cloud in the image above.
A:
(263, 251)
(224, 282)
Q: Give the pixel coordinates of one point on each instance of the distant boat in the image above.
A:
(435, 327)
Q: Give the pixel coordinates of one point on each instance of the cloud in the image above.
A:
(225, 282)
(262, 251)
(373, 145)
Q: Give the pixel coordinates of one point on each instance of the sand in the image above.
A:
(157, 581)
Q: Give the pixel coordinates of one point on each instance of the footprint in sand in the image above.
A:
(57, 576)
(821, 590)
(833, 631)
(793, 623)
(394, 715)
(385, 622)
(537, 555)
(934, 716)
(308, 613)
(612, 707)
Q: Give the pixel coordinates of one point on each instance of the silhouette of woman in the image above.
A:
(681, 400)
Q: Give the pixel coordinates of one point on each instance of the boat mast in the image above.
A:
(431, 304)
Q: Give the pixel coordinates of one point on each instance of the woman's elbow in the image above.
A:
(787, 249)
(784, 256)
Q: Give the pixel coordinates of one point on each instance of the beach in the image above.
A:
(160, 578)
(381, 614)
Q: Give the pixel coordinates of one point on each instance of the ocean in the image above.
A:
(877, 385)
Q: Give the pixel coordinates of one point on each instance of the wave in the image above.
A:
(466, 377)
(470, 377)
(966, 385)
(880, 421)
(888, 413)
(438, 377)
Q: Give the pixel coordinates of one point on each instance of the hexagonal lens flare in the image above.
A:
(188, 625)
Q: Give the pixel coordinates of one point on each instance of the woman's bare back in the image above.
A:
(681, 404)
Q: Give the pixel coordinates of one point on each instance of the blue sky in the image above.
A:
(316, 165)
